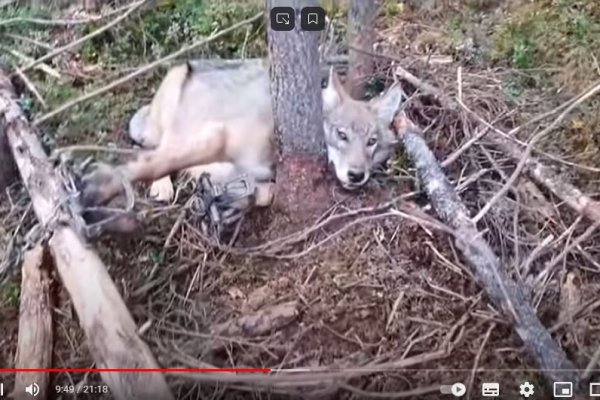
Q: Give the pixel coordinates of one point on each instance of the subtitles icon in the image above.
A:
(490, 389)
(282, 18)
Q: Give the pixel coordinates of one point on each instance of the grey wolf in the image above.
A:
(219, 120)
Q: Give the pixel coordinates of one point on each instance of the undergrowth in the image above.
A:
(557, 37)
(151, 34)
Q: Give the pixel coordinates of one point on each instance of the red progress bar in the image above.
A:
(197, 370)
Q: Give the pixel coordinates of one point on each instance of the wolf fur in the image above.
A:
(219, 119)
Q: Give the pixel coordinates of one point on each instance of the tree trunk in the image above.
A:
(361, 35)
(296, 84)
(298, 117)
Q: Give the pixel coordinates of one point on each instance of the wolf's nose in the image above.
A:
(356, 176)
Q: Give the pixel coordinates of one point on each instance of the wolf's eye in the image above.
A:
(342, 135)
(372, 142)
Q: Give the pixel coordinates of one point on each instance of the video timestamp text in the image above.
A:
(82, 389)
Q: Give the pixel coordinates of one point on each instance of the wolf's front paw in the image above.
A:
(100, 185)
(162, 190)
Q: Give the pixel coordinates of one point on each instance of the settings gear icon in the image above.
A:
(526, 389)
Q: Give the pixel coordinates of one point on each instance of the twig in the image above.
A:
(29, 40)
(61, 22)
(524, 270)
(32, 88)
(552, 263)
(425, 87)
(144, 69)
(390, 395)
(310, 376)
(592, 365)
(133, 7)
(477, 358)
(511, 180)
(41, 67)
(92, 148)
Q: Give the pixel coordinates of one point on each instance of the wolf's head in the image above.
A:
(357, 133)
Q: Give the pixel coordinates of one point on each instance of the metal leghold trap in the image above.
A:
(219, 206)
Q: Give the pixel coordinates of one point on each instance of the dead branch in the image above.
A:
(317, 376)
(57, 22)
(22, 57)
(110, 330)
(545, 176)
(504, 292)
(35, 341)
(529, 148)
(540, 173)
(144, 69)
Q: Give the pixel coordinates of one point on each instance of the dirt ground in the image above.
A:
(336, 280)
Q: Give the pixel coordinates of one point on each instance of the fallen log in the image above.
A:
(503, 291)
(34, 344)
(110, 330)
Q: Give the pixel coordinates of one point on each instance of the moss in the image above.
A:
(10, 294)
(552, 34)
(138, 40)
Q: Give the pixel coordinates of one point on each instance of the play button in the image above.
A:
(458, 389)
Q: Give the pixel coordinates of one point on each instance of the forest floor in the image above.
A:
(356, 290)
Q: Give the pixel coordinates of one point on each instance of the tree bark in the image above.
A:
(8, 168)
(361, 35)
(298, 117)
(35, 341)
(89, 5)
(110, 330)
(296, 84)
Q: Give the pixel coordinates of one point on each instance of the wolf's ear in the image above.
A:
(387, 105)
(334, 92)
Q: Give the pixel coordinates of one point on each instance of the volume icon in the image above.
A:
(32, 389)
